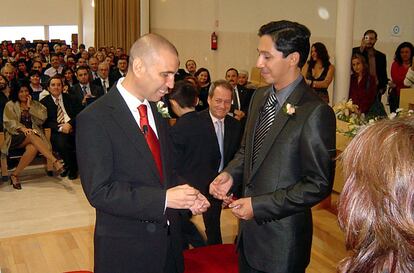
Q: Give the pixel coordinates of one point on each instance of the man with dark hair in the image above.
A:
(241, 95)
(285, 162)
(191, 66)
(56, 68)
(120, 70)
(125, 163)
(376, 60)
(85, 92)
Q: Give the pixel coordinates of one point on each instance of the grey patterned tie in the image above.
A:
(220, 140)
(267, 116)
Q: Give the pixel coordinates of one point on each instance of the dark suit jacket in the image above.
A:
(98, 82)
(114, 75)
(245, 95)
(76, 91)
(293, 172)
(381, 66)
(121, 180)
(196, 151)
(71, 106)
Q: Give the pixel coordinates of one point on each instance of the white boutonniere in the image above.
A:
(163, 109)
(290, 109)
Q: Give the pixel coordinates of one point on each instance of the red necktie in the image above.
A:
(151, 138)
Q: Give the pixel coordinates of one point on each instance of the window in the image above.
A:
(13, 33)
(63, 32)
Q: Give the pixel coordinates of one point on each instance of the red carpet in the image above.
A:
(211, 259)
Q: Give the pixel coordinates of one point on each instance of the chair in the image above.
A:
(3, 160)
(406, 97)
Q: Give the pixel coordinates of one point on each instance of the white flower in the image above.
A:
(290, 109)
(392, 115)
(163, 110)
(399, 110)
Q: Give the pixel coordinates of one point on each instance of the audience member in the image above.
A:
(93, 67)
(4, 97)
(62, 110)
(363, 89)
(375, 208)
(241, 95)
(402, 61)
(376, 60)
(55, 68)
(9, 71)
(319, 71)
(243, 80)
(22, 72)
(34, 80)
(22, 121)
(84, 91)
(120, 70)
(103, 77)
(204, 80)
(44, 79)
(69, 78)
(45, 55)
(191, 66)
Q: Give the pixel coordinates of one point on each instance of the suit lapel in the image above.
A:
(278, 124)
(123, 117)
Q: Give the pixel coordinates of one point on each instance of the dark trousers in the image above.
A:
(394, 101)
(211, 220)
(64, 145)
(190, 233)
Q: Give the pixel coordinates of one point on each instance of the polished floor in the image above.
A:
(48, 227)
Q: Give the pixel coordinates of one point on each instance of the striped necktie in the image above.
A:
(267, 116)
(60, 116)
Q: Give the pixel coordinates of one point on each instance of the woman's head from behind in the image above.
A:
(376, 206)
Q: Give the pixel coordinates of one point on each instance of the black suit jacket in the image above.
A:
(98, 82)
(196, 151)
(71, 106)
(114, 75)
(293, 172)
(77, 93)
(121, 180)
(245, 95)
(381, 66)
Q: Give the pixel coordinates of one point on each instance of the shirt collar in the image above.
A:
(285, 92)
(214, 119)
(131, 101)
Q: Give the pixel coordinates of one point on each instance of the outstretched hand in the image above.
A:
(221, 185)
(201, 204)
(182, 197)
(242, 208)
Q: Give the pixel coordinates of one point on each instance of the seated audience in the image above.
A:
(375, 208)
(363, 88)
(318, 71)
(22, 122)
(204, 80)
(69, 78)
(44, 79)
(61, 116)
(103, 77)
(93, 67)
(399, 68)
(55, 67)
(22, 72)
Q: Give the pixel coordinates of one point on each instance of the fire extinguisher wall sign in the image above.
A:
(213, 41)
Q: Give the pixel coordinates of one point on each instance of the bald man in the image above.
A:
(126, 167)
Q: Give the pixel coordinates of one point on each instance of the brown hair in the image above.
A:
(376, 206)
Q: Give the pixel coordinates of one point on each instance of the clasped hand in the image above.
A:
(187, 197)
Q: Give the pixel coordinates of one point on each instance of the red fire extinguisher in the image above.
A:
(213, 41)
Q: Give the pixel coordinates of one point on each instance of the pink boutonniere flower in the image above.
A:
(290, 109)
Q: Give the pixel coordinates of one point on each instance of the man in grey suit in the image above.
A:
(285, 163)
(125, 163)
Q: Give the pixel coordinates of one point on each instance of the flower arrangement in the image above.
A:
(348, 112)
(163, 109)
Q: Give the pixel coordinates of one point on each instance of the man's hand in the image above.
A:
(181, 197)
(242, 208)
(238, 114)
(221, 185)
(66, 128)
(201, 204)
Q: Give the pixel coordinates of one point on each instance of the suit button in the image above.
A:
(151, 227)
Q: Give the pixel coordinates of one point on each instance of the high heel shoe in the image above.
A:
(15, 182)
(58, 166)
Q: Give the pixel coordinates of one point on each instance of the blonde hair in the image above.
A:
(376, 206)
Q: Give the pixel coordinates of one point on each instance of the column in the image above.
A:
(343, 49)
